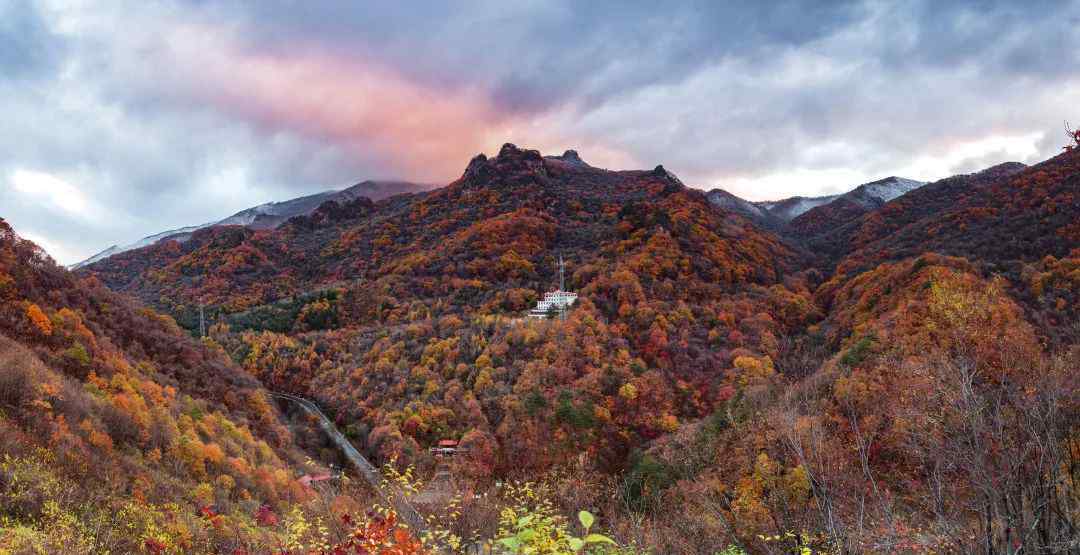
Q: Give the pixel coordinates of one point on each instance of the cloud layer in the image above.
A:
(125, 119)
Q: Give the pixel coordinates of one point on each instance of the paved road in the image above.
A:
(404, 509)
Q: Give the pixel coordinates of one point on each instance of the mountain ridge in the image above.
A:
(781, 212)
(852, 204)
(703, 348)
(269, 215)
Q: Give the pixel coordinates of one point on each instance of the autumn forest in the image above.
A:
(902, 380)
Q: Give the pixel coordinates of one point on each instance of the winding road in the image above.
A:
(404, 509)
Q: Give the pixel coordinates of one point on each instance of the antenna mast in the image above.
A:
(562, 274)
(562, 287)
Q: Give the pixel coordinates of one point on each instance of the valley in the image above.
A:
(712, 365)
(539, 278)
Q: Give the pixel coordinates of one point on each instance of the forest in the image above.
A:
(899, 380)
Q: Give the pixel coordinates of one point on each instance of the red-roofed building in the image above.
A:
(445, 447)
(307, 479)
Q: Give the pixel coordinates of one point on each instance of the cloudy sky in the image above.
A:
(125, 118)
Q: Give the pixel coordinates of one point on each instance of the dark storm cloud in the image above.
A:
(537, 55)
(1035, 38)
(129, 118)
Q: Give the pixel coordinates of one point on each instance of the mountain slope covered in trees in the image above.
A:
(269, 215)
(848, 206)
(808, 215)
(498, 228)
(119, 433)
(717, 383)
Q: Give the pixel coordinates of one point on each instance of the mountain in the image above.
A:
(777, 213)
(773, 213)
(120, 433)
(1011, 221)
(789, 208)
(555, 206)
(850, 205)
(942, 199)
(652, 260)
(832, 389)
(730, 202)
(269, 215)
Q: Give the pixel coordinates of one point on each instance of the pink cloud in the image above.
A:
(355, 103)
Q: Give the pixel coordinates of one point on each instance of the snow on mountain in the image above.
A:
(115, 249)
(891, 187)
(871, 195)
(779, 210)
(868, 196)
(789, 209)
(724, 199)
(850, 206)
(270, 214)
(181, 235)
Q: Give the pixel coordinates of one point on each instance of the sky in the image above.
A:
(126, 118)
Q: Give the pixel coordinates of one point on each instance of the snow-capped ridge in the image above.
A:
(269, 214)
(867, 195)
(724, 199)
(890, 187)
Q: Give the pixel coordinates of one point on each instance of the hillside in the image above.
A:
(710, 367)
(1014, 221)
(849, 206)
(493, 232)
(929, 201)
(269, 215)
(997, 216)
(119, 433)
(807, 216)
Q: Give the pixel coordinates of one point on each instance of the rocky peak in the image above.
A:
(572, 157)
(475, 164)
(511, 153)
(661, 172)
(511, 161)
(509, 149)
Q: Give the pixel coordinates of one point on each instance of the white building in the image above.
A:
(553, 301)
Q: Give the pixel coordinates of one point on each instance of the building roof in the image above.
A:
(307, 479)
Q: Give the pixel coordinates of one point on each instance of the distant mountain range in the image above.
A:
(271, 214)
(859, 200)
(773, 214)
(799, 218)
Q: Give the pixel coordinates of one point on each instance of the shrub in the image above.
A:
(77, 355)
(858, 353)
(20, 370)
(531, 525)
(642, 487)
